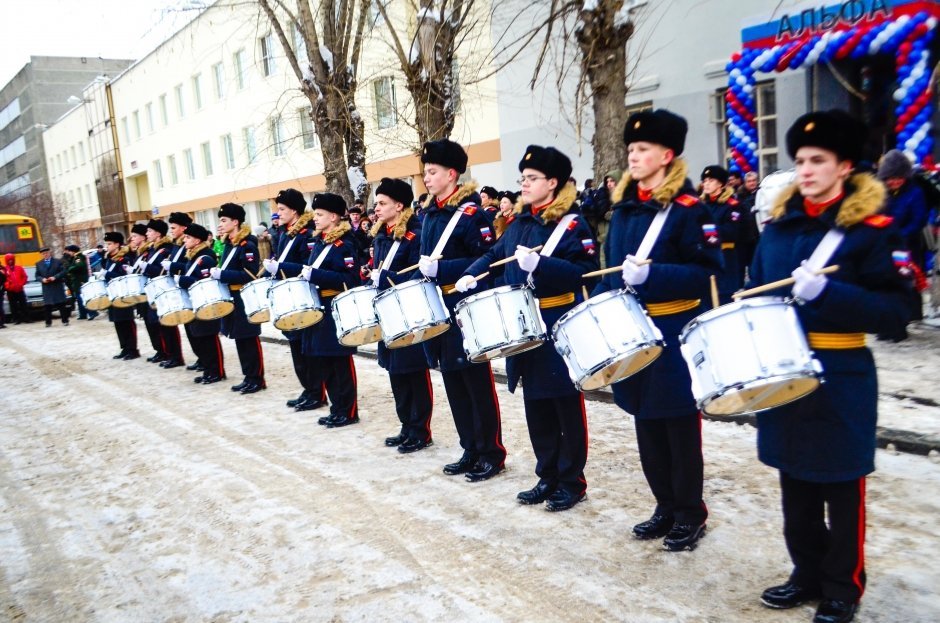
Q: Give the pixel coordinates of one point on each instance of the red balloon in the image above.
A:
(736, 57)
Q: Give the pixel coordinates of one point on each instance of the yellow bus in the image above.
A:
(20, 236)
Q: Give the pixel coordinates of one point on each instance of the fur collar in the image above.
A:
(191, 253)
(864, 196)
(305, 218)
(120, 253)
(560, 206)
(179, 241)
(723, 196)
(463, 191)
(401, 227)
(665, 192)
(243, 232)
(163, 241)
(335, 234)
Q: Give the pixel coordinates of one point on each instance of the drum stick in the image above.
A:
(413, 267)
(585, 292)
(612, 269)
(390, 280)
(506, 260)
(714, 292)
(480, 276)
(253, 276)
(780, 283)
(283, 276)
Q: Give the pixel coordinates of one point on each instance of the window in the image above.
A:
(171, 167)
(207, 158)
(384, 91)
(148, 114)
(87, 195)
(81, 153)
(277, 136)
(72, 158)
(251, 149)
(240, 78)
(135, 119)
(768, 149)
(14, 150)
(124, 130)
(218, 80)
(164, 115)
(197, 91)
(190, 164)
(228, 151)
(267, 54)
(180, 104)
(306, 128)
(300, 46)
(58, 162)
(9, 113)
(158, 173)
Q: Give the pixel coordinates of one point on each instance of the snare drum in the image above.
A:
(748, 356)
(295, 304)
(354, 315)
(94, 295)
(174, 307)
(606, 339)
(157, 286)
(255, 297)
(501, 322)
(411, 312)
(211, 299)
(127, 291)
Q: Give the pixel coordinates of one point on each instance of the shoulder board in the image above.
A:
(732, 201)
(878, 220)
(572, 224)
(469, 210)
(409, 235)
(304, 230)
(687, 200)
(338, 243)
(243, 243)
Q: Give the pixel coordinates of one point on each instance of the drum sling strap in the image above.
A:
(445, 235)
(228, 258)
(322, 257)
(195, 264)
(557, 233)
(286, 250)
(390, 257)
(656, 227)
(825, 249)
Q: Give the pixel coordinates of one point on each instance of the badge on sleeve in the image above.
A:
(205, 272)
(250, 256)
(588, 245)
(486, 234)
(735, 216)
(710, 233)
(902, 262)
(350, 262)
(311, 244)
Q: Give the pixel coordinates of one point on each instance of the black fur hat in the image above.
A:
(490, 191)
(657, 126)
(549, 161)
(716, 172)
(398, 190)
(114, 236)
(445, 153)
(232, 211)
(293, 199)
(832, 130)
(508, 194)
(159, 226)
(198, 231)
(329, 202)
(139, 228)
(180, 218)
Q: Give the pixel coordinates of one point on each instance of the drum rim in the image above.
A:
(411, 283)
(618, 358)
(817, 376)
(724, 310)
(404, 333)
(603, 296)
(493, 292)
(541, 341)
(357, 289)
(251, 284)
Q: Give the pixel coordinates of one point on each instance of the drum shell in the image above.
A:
(354, 315)
(295, 304)
(500, 322)
(174, 307)
(411, 312)
(157, 286)
(255, 298)
(211, 299)
(94, 295)
(127, 290)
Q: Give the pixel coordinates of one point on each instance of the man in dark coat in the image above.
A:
(718, 196)
(76, 274)
(51, 272)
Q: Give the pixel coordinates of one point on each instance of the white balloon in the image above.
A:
(900, 94)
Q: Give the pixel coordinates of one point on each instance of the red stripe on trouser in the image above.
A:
(355, 387)
(499, 416)
(260, 359)
(218, 349)
(427, 426)
(584, 421)
(860, 565)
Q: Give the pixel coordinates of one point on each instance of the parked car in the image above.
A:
(33, 291)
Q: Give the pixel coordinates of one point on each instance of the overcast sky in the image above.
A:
(89, 28)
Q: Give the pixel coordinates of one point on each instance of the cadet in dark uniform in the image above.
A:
(178, 223)
(202, 334)
(240, 256)
(398, 231)
(137, 249)
(824, 444)
(113, 266)
(291, 251)
(489, 202)
(686, 253)
(554, 408)
(332, 267)
(727, 213)
(160, 247)
(471, 390)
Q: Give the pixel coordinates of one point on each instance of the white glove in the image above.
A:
(467, 282)
(128, 269)
(99, 274)
(306, 271)
(427, 266)
(634, 275)
(165, 264)
(527, 260)
(375, 275)
(271, 266)
(215, 272)
(807, 285)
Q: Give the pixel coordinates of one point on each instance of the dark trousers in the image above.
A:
(18, 309)
(558, 432)
(251, 359)
(127, 335)
(208, 349)
(414, 401)
(170, 342)
(831, 557)
(63, 311)
(153, 332)
(307, 372)
(471, 393)
(192, 344)
(339, 376)
(671, 455)
(82, 312)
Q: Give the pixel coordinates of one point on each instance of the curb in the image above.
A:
(901, 440)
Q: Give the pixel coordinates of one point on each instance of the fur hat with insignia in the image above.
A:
(507, 194)
(397, 190)
(293, 199)
(715, 172)
(329, 202)
(445, 153)
(657, 126)
(180, 218)
(114, 236)
(232, 211)
(549, 161)
(160, 227)
(832, 130)
(197, 231)
(490, 191)
(139, 228)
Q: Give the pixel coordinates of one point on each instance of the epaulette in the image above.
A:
(878, 220)
(338, 243)
(469, 210)
(687, 200)
(243, 243)
(732, 201)
(409, 235)
(303, 231)
(572, 224)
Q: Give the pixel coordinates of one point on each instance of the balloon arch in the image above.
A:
(905, 30)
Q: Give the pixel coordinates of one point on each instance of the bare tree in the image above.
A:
(326, 68)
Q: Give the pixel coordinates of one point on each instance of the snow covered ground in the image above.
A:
(128, 494)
